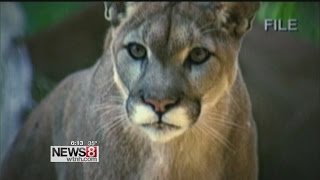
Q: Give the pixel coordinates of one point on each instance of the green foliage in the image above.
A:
(41, 15)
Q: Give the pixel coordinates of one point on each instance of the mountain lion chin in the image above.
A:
(161, 132)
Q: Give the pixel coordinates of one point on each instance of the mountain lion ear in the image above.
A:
(114, 11)
(236, 17)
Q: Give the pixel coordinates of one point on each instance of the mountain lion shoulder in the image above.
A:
(166, 100)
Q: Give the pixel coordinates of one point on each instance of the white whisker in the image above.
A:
(226, 123)
(110, 125)
(218, 117)
(215, 134)
(107, 107)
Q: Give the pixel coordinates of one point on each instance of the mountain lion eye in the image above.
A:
(198, 55)
(137, 51)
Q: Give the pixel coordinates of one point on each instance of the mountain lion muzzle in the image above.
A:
(165, 101)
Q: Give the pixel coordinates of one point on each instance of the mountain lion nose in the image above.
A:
(160, 106)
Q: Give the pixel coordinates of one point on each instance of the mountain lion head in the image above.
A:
(174, 60)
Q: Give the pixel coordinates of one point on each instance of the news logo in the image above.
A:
(74, 153)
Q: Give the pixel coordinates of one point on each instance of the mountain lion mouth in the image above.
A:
(159, 129)
(162, 132)
(161, 126)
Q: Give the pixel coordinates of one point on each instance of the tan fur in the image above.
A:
(219, 144)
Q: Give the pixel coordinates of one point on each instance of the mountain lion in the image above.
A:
(166, 100)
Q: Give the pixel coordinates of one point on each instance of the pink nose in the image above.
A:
(160, 106)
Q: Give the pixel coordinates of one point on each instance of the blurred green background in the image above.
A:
(42, 15)
(307, 13)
